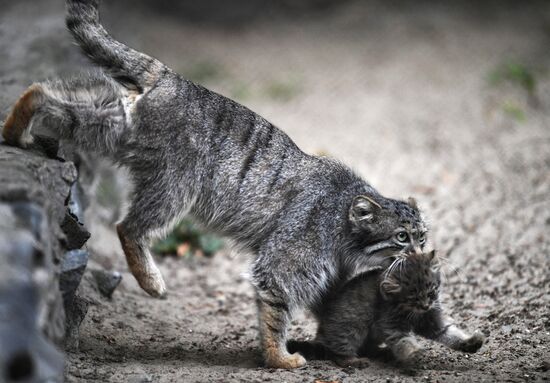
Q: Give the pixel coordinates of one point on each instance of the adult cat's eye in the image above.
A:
(402, 236)
(422, 238)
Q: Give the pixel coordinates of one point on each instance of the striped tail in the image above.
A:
(132, 69)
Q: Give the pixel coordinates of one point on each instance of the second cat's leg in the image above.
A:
(443, 330)
(402, 345)
(343, 338)
(457, 339)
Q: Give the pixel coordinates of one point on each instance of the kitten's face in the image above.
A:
(387, 226)
(413, 282)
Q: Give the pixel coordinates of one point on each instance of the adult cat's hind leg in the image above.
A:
(274, 320)
(88, 111)
(17, 125)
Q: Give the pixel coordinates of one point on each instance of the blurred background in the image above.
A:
(444, 101)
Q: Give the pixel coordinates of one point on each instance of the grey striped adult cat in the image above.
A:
(310, 221)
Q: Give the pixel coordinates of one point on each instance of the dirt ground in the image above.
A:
(415, 98)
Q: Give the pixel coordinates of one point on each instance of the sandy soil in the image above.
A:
(401, 94)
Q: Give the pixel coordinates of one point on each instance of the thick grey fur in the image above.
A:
(310, 221)
(386, 306)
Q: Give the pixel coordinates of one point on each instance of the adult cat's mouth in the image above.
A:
(385, 248)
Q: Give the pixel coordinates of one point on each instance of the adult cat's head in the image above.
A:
(382, 226)
(412, 282)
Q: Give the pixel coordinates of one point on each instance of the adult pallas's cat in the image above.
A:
(386, 306)
(310, 221)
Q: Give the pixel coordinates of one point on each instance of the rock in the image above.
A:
(25, 355)
(545, 365)
(75, 232)
(107, 281)
(73, 267)
(28, 287)
(76, 204)
(76, 309)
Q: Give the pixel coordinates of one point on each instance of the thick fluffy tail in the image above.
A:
(133, 69)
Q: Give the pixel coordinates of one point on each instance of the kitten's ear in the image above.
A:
(389, 286)
(363, 209)
(412, 203)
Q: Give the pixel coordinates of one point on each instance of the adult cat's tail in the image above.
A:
(132, 69)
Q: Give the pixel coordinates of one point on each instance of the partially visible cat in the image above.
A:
(386, 305)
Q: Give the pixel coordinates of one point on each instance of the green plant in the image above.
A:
(514, 111)
(240, 91)
(188, 239)
(202, 71)
(283, 90)
(515, 73)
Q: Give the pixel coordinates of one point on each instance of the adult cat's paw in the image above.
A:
(288, 361)
(473, 343)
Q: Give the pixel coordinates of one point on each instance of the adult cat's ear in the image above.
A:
(362, 210)
(389, 286)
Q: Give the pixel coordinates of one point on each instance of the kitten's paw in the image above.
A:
(353, 362)
(473, 343)
(288, 361)
(406, 349)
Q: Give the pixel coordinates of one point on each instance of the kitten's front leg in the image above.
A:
(455, 338)
(274, 319)
(443, 330)
(355, 362)
(403, 346)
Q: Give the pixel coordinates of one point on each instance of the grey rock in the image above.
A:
(72, 270)
(75, 232)
(25, 353)
(107, 281)
(76, 203)
(76, 309)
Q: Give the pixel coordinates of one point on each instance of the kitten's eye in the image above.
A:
(432, 295)
(402, 236)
